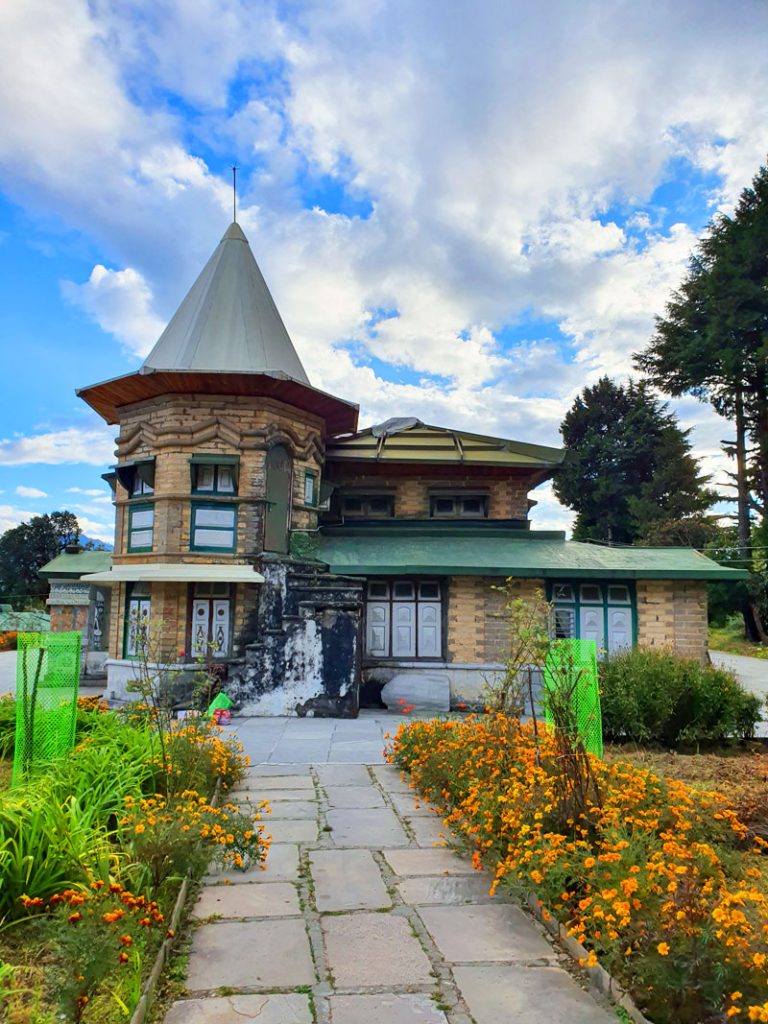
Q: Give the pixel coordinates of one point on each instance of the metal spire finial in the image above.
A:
(234, 193)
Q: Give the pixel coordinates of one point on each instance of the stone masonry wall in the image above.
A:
(477, 625)
(673, 615)
(507, 497)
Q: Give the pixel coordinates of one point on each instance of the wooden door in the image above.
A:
(278, 495)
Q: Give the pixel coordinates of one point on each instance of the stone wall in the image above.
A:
(477, 624)
(673, 615)
(507, 496)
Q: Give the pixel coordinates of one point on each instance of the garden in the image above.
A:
(649, 851)
(96, 848)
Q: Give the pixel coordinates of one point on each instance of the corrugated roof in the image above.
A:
(77, 564)
(506, 553)
(421, 442)
(228, 321)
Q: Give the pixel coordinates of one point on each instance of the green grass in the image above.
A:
(6, 769)
(730, 638)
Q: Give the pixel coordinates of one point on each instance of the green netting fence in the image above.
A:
(47, 679)
(571, 666)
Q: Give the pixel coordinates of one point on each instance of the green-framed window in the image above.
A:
(137, 615)
(310, 487)
(215, 474)
(601, 610)
(213, 527)
(141, 527)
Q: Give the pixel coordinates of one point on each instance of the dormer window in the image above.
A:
(458, 506)
(138, 478)
(214, 474)
(368, 506)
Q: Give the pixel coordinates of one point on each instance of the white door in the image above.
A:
(403, 630)
(201, 621)
(619, 629)
(591, 625)
(220, 627)
(377, 629)
(138, 625)
(430, 644)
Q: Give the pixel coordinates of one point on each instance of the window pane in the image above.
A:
(429, 591)
(442, 506)
(472, 506)
(565, 623)
(221, 517)
(378, 590)
(214, 538)
(591, 592)
(403, 591)
(618, 594)
(226, 481)
(205, 476)
(142, 519)
(353, 505)
(381, 506)
(309, 489)
(562, 592)
(141, 539)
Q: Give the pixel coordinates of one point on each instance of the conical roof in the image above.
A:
(228, 321)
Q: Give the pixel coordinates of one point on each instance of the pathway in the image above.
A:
(362, 917)
(752, 672)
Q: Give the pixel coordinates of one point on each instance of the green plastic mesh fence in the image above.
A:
(572, 666)
(47, 678)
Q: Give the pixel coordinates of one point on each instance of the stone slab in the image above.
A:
(374, 950)
(411, 804)
(271, 1009)
(282, 866)
(347, 880)
(386, 1008)
(276, 796)
(445, 889)
(294, 809)
(354, 796)
(263, 771)
(376, 827)
(423, 691)
(230, 955)
(343, 775)
(275, 899)
(291, 831)
(428, 832)
(427, 862)
(476, 933)
(390, 779)
(259, 782)
(527, 995)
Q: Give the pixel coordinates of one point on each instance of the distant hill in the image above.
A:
(96, 545)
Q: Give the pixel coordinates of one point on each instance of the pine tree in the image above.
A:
(630, 476)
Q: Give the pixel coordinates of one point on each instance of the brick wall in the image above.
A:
(477, 624)
(507, 496)
(673, 615)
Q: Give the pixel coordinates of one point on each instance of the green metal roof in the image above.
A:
(505, 553)
(76, 565)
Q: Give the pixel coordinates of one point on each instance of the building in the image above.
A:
(254, 521)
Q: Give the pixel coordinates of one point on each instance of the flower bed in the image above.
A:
(662, 883)
(93, 853)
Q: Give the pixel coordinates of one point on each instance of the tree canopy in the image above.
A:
(25, 548)
(630, 477)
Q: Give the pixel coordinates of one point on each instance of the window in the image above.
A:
(404, 619)
(368, 506)
(211, 615)
(310, 488)
(214, 478)
(594, 611)
(213, 527)
(138, 478)
(137, 613)
(141, 527)
(458, 506)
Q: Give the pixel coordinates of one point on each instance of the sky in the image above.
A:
(465, 212)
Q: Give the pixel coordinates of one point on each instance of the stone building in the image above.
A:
(257, 525)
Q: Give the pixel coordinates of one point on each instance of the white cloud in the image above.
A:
(30, 492)
(94, 446)
(97, 530)
(92, 492)
(11, 516)
(120, 302)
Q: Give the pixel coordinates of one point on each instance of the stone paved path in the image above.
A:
(361, 919)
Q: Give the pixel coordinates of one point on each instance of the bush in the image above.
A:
(658, 880)
(656, 696)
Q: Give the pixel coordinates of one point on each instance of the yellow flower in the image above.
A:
(663, 949)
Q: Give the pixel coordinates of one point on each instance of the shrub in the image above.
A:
(657, 696)
(649, 878)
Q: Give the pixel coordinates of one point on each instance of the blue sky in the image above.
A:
(463, 214)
